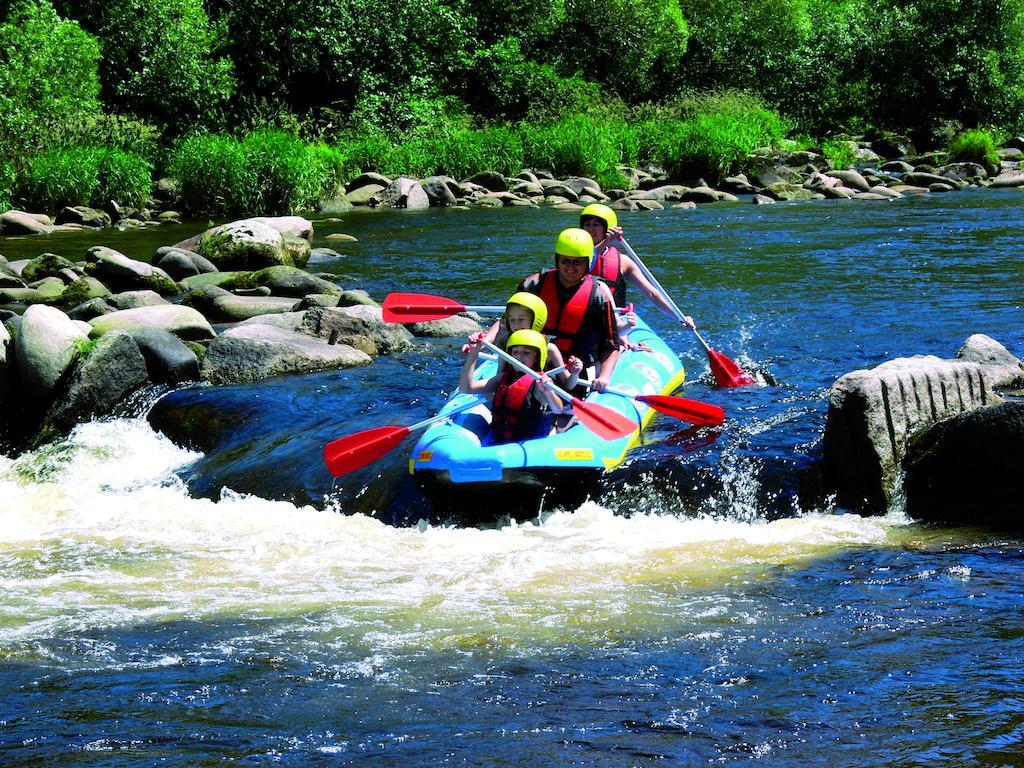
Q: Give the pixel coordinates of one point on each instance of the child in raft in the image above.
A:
(521, 402)
(528, 311)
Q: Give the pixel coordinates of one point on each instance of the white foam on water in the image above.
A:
(96, 532)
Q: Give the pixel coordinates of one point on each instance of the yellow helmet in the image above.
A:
(533, 303)
(528, 338)
(600, 211)
(574, 243)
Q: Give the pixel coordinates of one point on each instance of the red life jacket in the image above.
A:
(564, 321)
(515, 413)
(608, 266)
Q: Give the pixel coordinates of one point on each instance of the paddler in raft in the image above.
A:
(580, 308)
(615, 268)
(521, 403)
(524, 311)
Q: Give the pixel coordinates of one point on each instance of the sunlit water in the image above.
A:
(234, 603)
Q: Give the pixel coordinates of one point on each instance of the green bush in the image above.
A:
(711, 137)
(93, 176)
(839, 153)
(48, 73)
(268, 172)
(975, 146)
(101, 130)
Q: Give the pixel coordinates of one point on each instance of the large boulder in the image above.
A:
(21, 223)
(352, 324)
(245, 244)
(112, 369)
(48, 342)
(966, 469)
(47, 265)
(121, 273)
(441, 190)
(873, 414)
(168, 359)
(283, 281)
(248, 353)
(85, 216)
(180, 263)
(1009, 179)
(446, 328)
(850, 178)
(220, 305)
(182, 321)
(293, 226)
(403, 193)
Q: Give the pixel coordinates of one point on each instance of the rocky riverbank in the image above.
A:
(82, 336)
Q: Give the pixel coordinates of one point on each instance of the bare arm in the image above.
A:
(467, 381)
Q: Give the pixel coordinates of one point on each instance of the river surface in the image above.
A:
(165, 605)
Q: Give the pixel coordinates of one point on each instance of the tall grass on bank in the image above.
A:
(974, 146)
(267, 171)
(85, 176)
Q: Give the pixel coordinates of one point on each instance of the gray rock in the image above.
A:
(649, 205)
(80, 291)
(112, 370)
(87, 217)
(134, 299)
(581, 185)
(404, 193)
(449, 327)
(323, 256)
(1002, 368)
(245, 244)
(491, 181)
(527, 189)
(119, 272)
(893, 145)
(441, 190)
(665, 193)
(528, 175)
(1009, 179)
(180, 263)
(21, 223)
(625, 204)
(367, 179)
(852, 179)
(700, 195)
(884, 192)
(897, 166)
(248, 353)
(559, 190)
(294, 226)
(46, 265)
(966, 469)
(47, 344)
(168, 359)
(282, 281)
(923, 179)
(940, 186)
(763, 200)
(91, 308)
(180, 320)
(208, 278)
(220, 305)
(365, 195)
(963, 171)
(347, 324)
(335, 201)
(298, 249)
(873, 413)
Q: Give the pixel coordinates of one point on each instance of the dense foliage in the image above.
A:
(448, 86)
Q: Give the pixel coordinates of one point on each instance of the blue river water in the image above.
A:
(223, 599)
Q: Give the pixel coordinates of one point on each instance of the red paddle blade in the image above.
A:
(693, 411)
(418, 307)
(357, 450)
(727, 373)
(605, 422)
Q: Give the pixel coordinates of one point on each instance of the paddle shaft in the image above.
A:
(664, 294)
(525, 369)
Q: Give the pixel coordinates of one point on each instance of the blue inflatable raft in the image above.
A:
(464, 475)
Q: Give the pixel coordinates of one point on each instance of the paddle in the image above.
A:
(682, 408)
(353, 451)
(361, 448)
(726, 372)
(420, 307)
(605, 422)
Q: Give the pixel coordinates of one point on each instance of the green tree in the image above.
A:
(159, 58)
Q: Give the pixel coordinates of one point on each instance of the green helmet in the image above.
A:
(574, 243)
(533, 303)
(528, 338)
(600, 211)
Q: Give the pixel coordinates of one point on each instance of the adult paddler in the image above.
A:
(615, 268)
(580, 309)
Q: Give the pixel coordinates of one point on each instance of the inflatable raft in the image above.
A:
(466, 476)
